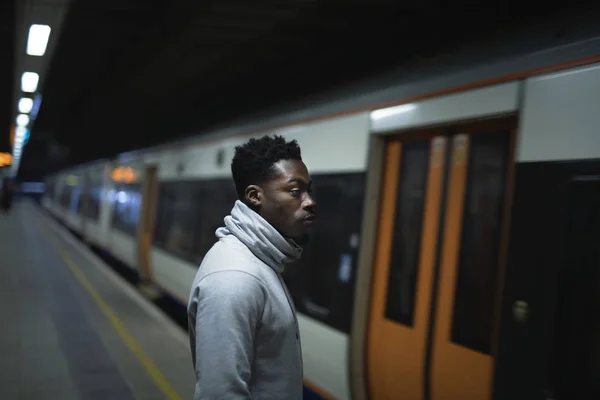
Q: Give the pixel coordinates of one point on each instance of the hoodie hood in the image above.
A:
(261, 238)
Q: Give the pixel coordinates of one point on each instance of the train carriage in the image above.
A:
(419, 278)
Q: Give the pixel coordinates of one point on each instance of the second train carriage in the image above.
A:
(402, 292)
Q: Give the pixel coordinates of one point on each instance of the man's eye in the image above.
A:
(295, 192)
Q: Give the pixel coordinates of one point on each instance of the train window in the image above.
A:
(75, 202)
(322, 282)
(65, 197)
(52, 192)
(215, 203)
(126, 208)
(50, 188)
(476, 282)
(93, 202)
(408, 223)
(163, 214)
(176, 217)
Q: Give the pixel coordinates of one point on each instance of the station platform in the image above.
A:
(71, 328)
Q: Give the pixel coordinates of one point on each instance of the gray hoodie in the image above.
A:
(242, 322)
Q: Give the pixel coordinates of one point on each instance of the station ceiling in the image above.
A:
(126, 74)
(7, 38)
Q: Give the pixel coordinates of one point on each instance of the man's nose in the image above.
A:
(309, 202)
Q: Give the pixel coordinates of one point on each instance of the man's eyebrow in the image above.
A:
(299, 180)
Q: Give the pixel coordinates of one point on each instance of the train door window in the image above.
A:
(476, 282)
(408, 222)
(126, 208)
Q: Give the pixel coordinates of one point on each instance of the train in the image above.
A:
(435, 268)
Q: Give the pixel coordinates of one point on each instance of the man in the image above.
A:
(243, 330)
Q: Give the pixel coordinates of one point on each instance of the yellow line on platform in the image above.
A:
(154, 372)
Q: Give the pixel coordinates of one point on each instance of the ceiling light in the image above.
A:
(29, 82)
(38, 40)
(22, 120)
(25, 105)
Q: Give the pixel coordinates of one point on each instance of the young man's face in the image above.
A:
(286, 201)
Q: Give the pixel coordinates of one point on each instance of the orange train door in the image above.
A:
(439, 262)
(146, 225)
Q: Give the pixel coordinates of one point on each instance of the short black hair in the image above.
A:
(253, 161)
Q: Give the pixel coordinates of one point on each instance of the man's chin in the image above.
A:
(302, 240)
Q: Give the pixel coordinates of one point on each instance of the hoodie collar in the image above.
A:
(263, 240)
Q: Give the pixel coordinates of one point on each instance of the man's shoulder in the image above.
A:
(229, 254)
(228, 266)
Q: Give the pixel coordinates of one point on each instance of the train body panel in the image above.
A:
(74, 221)
(123, 246)
(93, 233)
(560, 116)
(172, 274)
(483, 102)
(320, 143)
(453, 158)
(324, 349)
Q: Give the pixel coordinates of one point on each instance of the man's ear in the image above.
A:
(254, 195)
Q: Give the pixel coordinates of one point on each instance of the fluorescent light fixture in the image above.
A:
(25, 105)
(29, 82)
(387, 112)
(22, 120)
(38, 39)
